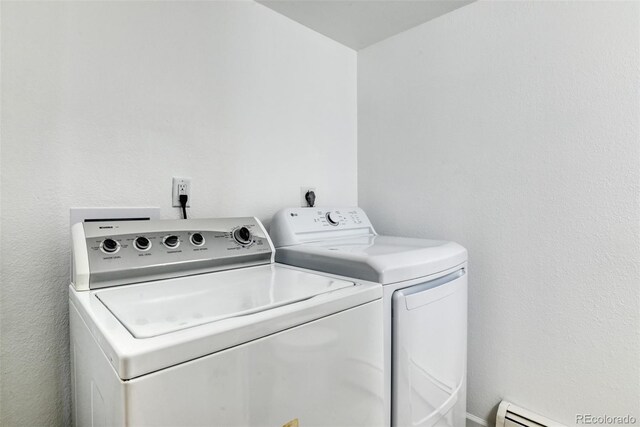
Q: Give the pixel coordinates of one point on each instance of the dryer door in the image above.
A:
(429, 353)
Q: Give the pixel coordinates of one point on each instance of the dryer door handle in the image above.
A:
(426, 293)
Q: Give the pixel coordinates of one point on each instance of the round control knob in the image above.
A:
(142, 243)
(171, 241)
(197, 239)
(242, 235)
(332, 218)
(110, 246)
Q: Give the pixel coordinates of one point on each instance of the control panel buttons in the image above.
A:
(142, 243)
(242, 236)
(109, 246)
(197, 239)
(171, 241)
(332, 218)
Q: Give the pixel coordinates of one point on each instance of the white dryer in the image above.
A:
(425, 304)
(189, 323)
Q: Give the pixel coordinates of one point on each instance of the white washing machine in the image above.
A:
(425, 304)
(190, 323)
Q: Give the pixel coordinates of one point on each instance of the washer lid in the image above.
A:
(156, 308)
(237, 306)
(381, 259)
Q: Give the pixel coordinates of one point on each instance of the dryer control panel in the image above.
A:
(302, 225)
(121, 252)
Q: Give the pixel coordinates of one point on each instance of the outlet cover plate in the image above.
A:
(303, 192)
(175, 192)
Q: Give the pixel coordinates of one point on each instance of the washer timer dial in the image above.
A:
(242, 235)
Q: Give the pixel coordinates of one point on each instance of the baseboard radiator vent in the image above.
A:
(510, 415)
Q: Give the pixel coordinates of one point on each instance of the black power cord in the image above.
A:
(310, 197)
(183, 203)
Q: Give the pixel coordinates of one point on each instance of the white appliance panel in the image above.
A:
(381, 259)
(326, 372)
(199, 327)
(292, 226)
(114, 253)
(157, 308)
(343, 242)
(131, 357)
(429, 335)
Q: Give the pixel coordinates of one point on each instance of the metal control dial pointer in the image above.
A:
(242, 235)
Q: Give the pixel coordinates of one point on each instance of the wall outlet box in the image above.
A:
(303, 193)
(180, 186)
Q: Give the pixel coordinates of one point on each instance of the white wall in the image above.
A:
(513, 128)
(102, 102)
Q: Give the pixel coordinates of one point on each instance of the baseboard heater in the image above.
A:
(510, 415)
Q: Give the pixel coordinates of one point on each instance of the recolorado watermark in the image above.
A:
(614, 420)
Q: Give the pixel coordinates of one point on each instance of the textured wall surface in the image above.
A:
(102, 102)
(513, 128)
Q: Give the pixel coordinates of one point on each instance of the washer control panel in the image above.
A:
(121, 252)
(299, 225)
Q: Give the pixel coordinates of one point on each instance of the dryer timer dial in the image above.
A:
(332, 218)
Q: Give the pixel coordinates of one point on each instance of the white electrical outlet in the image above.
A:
(303, 193)
(181, 186)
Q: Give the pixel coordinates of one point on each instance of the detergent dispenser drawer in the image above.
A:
(429, 351)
